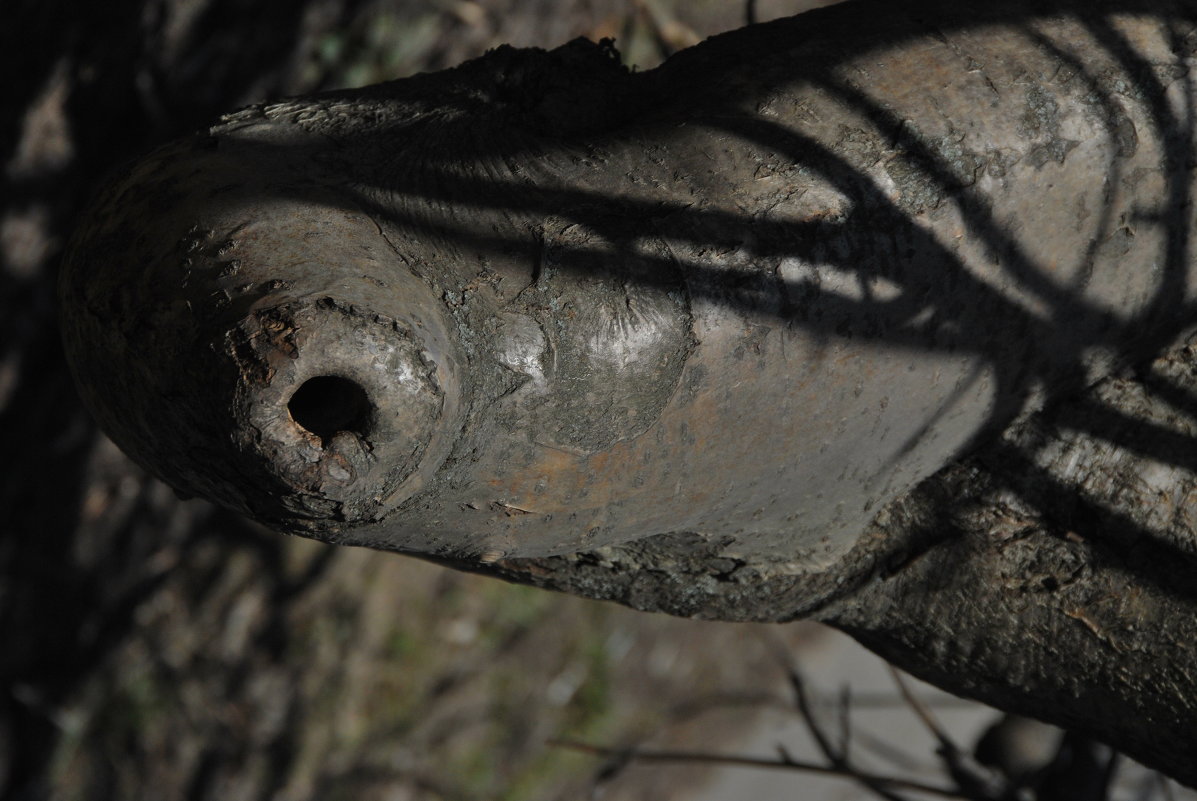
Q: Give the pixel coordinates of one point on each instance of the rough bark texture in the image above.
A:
(155, 647)
(673, 339)
(1063, 585)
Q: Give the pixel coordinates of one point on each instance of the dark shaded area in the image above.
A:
(328, 404)
(125, 82)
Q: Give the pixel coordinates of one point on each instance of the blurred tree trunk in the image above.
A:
(87, 538)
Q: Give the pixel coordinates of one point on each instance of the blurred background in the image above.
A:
(156, 648)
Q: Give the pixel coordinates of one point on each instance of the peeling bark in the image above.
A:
(877, 314)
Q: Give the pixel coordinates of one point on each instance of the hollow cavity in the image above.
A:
(327, 405)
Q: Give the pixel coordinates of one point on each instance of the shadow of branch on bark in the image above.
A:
(913, 357)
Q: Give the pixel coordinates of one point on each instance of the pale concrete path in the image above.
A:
(879, 716)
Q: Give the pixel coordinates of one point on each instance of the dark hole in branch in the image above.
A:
(328, 404)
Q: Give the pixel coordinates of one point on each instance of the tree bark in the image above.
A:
(877, 315)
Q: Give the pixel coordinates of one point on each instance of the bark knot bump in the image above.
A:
(336, 402)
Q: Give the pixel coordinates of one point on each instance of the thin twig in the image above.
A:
(966, 776)
(785, 763)
(924, 714)
(845, 721)
(1108, 775)
(668, 34)
(802, 700)
(882, 748)
(887, 700)
(838, 760)
(1166, 788)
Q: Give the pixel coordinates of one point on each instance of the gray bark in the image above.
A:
(876, 315)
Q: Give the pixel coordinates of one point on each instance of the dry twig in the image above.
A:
(786, 762)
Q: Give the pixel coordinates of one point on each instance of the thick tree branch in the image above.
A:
(871, 315)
